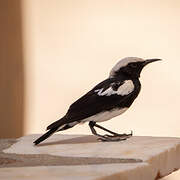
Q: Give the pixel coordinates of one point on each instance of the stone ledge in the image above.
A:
(83, 157)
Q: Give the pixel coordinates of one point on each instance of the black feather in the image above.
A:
(45, 136)
(91, 103)
(57, 123)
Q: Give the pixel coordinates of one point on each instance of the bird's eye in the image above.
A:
(133, 65)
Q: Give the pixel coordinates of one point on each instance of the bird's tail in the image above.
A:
(45, 136)
(54, 127)
(57, 123)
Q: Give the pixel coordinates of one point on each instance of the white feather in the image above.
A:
(107, 92)
(104, 116)
(124, 89)
(122, 63)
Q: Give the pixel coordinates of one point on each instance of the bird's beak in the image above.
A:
(147, 61)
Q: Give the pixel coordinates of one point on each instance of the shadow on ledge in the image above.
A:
(76, 140)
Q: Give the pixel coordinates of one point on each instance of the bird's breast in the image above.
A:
(105, 115)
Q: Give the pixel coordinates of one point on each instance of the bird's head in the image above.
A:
(130, 66)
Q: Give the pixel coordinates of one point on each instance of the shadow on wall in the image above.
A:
(11, 70)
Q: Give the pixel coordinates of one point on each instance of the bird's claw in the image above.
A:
(115, 137)
(119, 135)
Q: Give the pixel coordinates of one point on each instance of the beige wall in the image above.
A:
(71, 45)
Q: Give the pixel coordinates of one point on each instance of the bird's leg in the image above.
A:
(114, 137)
(91, 125)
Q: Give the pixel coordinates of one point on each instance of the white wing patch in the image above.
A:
(124, 89)
(107, 92)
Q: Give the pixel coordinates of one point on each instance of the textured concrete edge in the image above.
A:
(6, 143)
(136, 173)
(143, 171)
(154, 168)
(165, 161)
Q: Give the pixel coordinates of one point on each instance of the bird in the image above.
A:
(106, 100)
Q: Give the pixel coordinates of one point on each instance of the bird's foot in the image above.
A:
(115, 137)
(120, 135)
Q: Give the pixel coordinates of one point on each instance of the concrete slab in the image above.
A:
(145, 158)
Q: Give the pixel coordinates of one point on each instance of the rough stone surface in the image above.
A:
(83, 157)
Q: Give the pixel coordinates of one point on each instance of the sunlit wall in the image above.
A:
(70, 46)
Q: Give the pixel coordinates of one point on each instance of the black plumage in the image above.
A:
(111, 95)
(91, 104)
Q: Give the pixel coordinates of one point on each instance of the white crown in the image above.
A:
(123, 62)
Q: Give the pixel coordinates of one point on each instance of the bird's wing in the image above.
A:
(105, 96)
